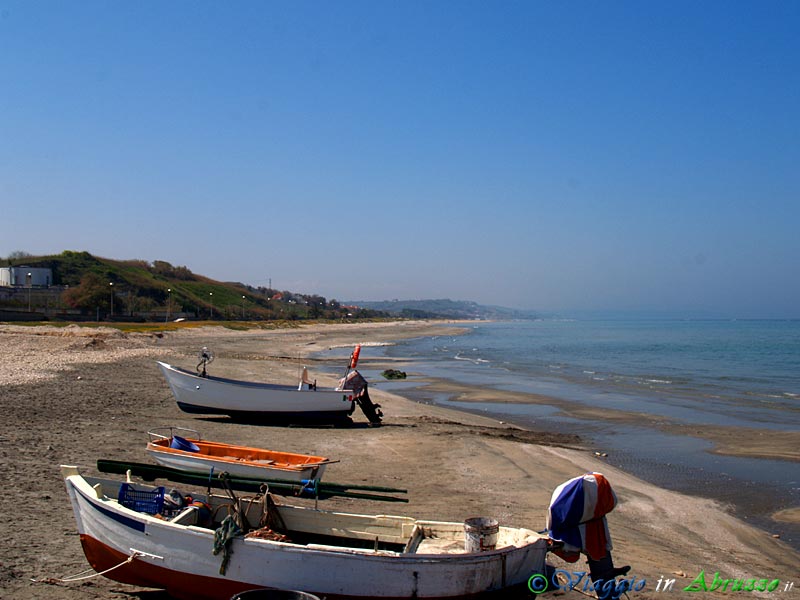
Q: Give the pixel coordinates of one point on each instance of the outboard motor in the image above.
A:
(371, 409)
(577, 519)
(355, 382)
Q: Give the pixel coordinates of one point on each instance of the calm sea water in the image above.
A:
(730, 373)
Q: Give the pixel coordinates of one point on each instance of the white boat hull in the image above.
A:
(198, 463)
(244, 399)
(179, 558)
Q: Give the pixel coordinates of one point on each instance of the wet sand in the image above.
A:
(732, 441)
(71, 396)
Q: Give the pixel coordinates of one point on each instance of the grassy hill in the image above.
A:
(106, 288)
(138, 289)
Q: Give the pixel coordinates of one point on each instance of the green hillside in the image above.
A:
(139, 290)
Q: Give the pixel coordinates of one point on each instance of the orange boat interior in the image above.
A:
(228, 452)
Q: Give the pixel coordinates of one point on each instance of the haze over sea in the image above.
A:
(705, 373)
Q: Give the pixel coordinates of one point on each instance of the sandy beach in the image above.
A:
(73, 395)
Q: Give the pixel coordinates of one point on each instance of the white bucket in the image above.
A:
(480, 534)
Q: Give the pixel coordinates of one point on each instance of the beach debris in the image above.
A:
(679, 573)
(393, 374)
(601, 454)
(777, 536)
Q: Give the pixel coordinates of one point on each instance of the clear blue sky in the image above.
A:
(549, 155)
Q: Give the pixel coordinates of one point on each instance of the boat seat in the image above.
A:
(417, 535)
(188, 516)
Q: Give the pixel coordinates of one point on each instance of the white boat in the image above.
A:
(331, 554)
(248, 400)
(195, 455)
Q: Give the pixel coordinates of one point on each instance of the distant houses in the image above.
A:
(28, 292)
(23, 276)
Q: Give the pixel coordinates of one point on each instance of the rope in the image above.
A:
(223, 537)
(235, 509)
(274, 520)
(77, 576)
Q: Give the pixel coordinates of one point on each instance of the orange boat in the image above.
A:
(195, 455)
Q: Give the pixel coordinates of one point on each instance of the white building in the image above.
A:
(26, 276)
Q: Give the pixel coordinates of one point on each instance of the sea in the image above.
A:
(731, 373)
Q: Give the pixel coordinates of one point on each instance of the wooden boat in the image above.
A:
(331, 554)
(205, 394)
(195, 455)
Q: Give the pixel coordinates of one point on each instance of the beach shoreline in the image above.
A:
(72, 395)
(728, 440)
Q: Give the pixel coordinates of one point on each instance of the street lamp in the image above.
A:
(242, 308)
(111, 287)
(169, 304)
(211, 310)
(29, 277)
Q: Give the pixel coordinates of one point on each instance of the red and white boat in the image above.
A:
(333, 555)
(195, 455)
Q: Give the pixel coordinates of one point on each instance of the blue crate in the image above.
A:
(150, 501)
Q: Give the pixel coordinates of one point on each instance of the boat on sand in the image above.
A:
(195, 455)
(201, 393)
(221, 545)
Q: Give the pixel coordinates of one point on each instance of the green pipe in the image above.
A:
(328, 486)
(280, 486)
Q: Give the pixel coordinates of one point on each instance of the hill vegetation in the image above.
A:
(444, 309)
(140, 290)
(88, 287)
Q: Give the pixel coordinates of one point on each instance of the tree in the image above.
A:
(92, 292)
(163, 268)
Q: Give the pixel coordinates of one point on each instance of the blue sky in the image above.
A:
(555, 156)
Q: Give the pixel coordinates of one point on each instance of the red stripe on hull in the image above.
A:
(144, 574)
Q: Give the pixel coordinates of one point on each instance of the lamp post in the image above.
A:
(111, 287)
(211, 310)
(242, 308)
(169, 304)
(29, 281)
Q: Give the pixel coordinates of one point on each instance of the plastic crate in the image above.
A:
(149, 501)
